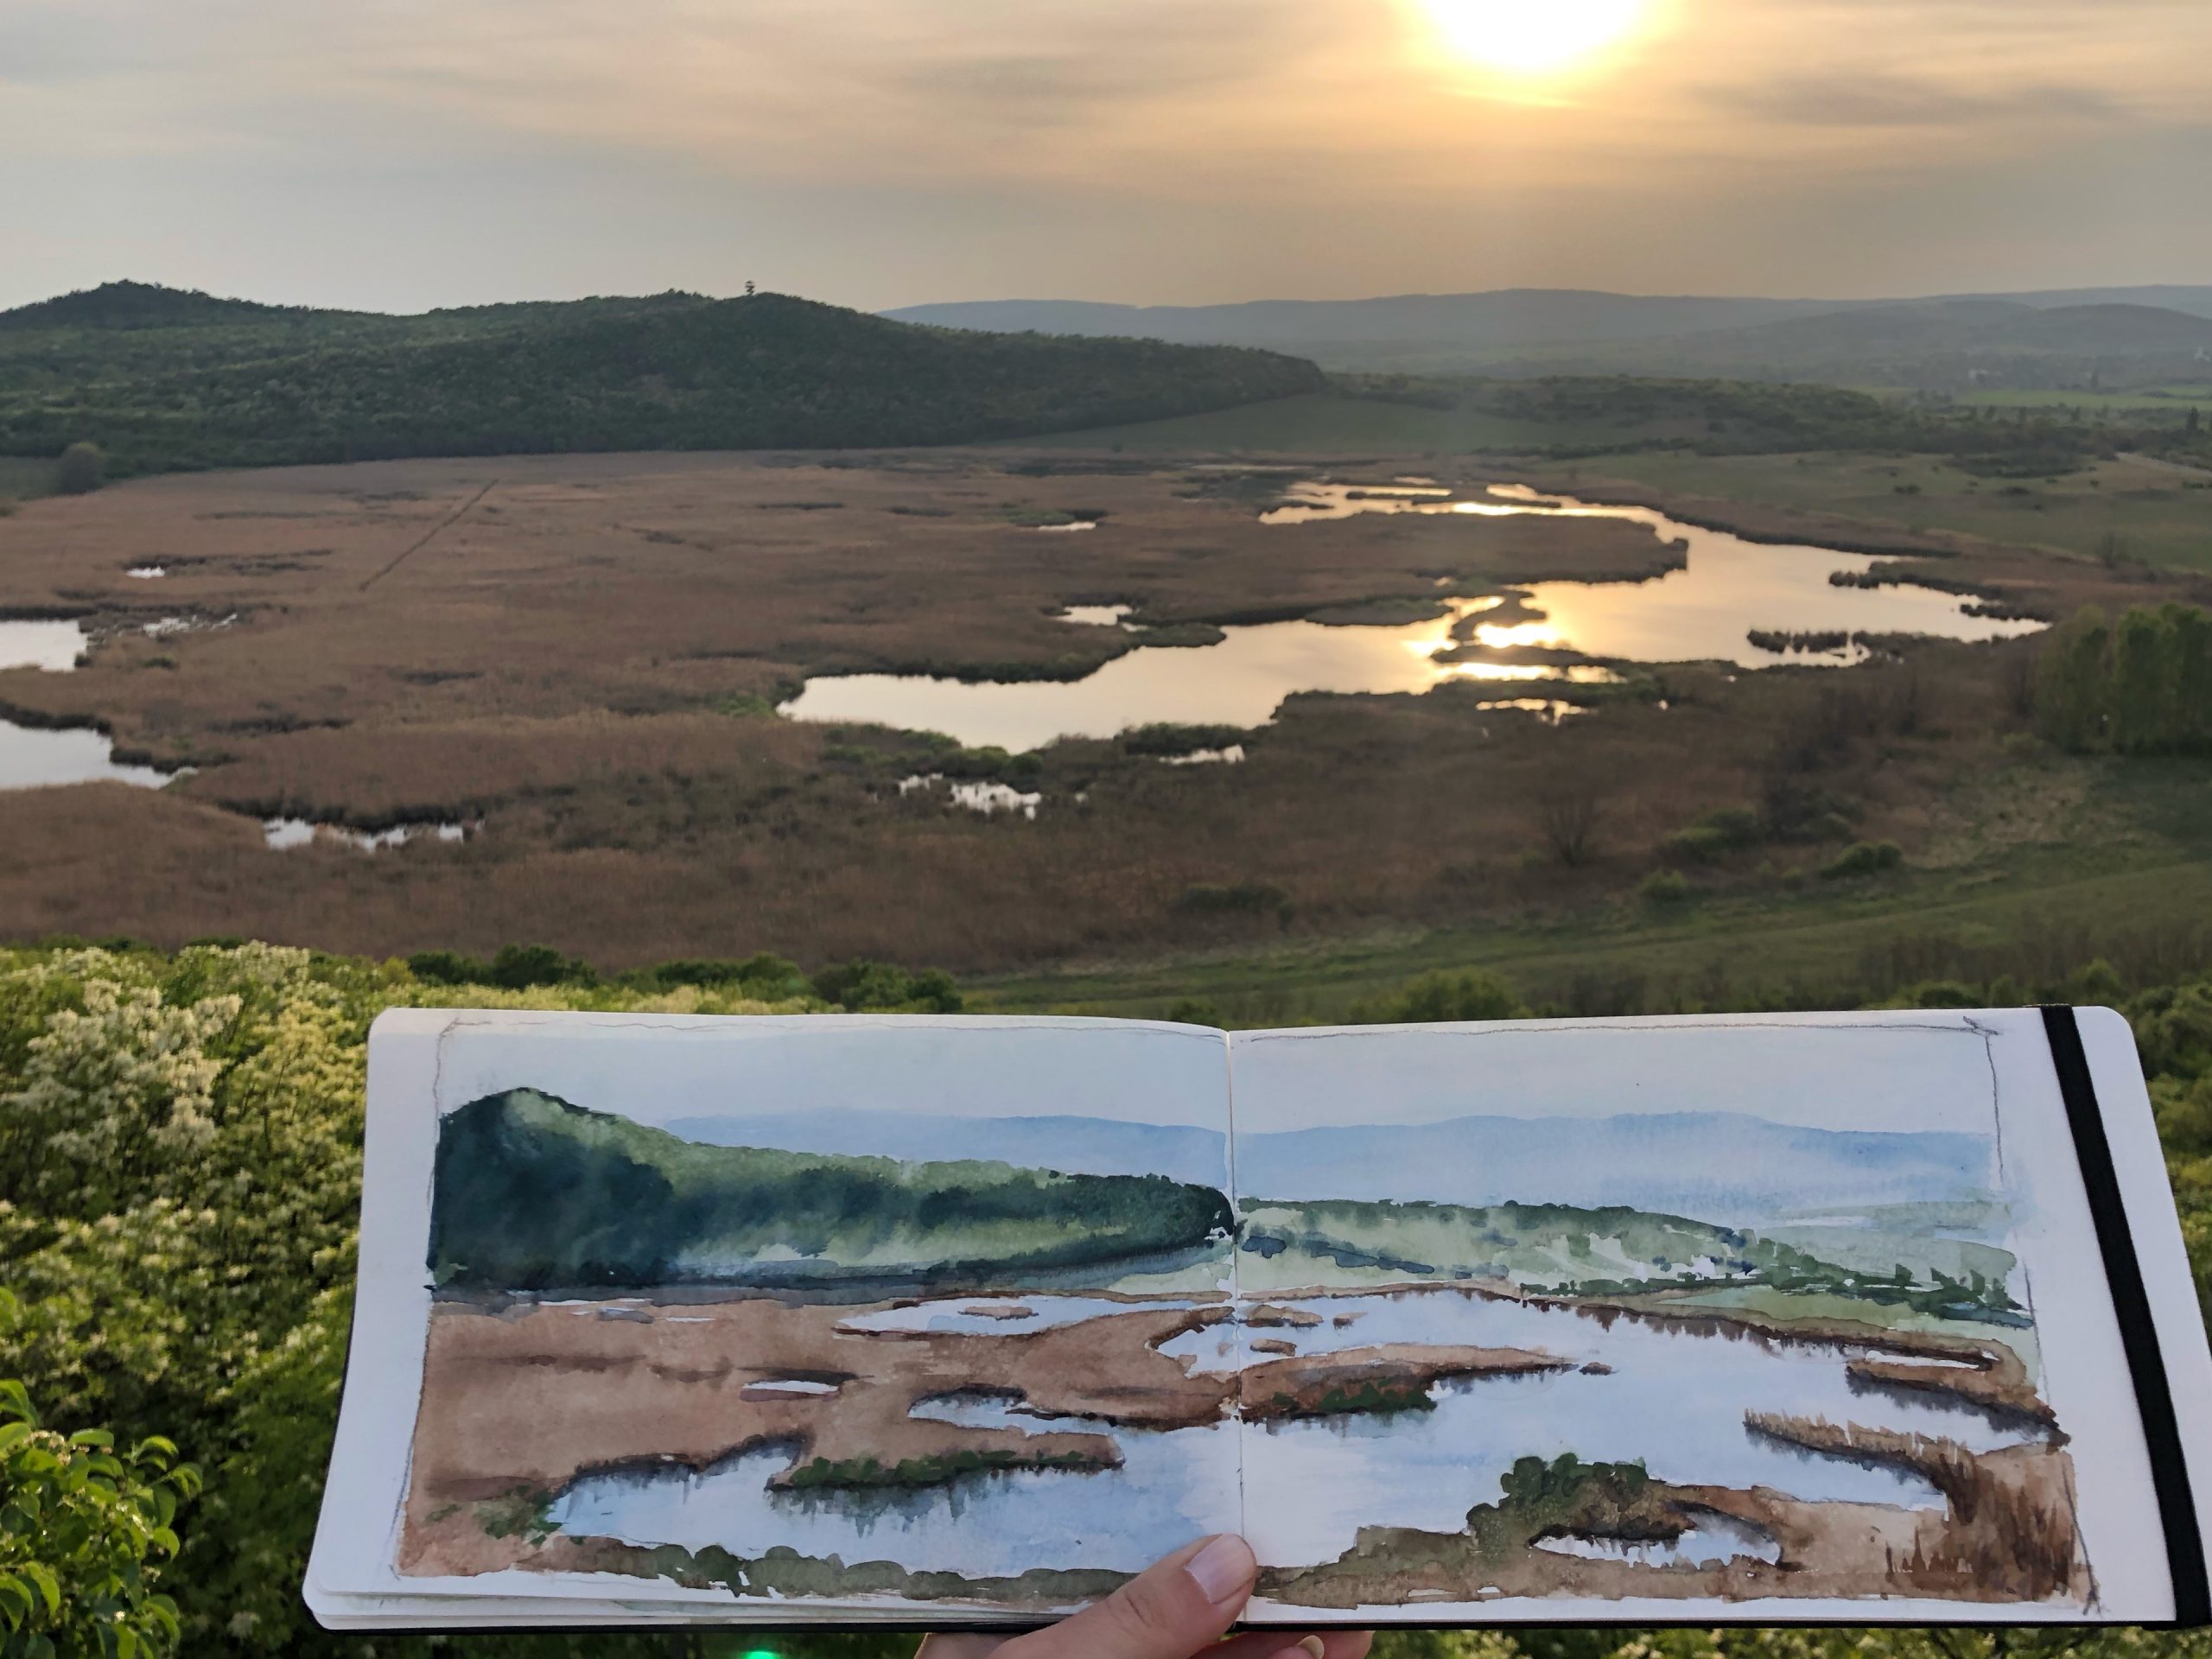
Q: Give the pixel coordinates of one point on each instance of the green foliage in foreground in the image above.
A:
(185, 1272)
(83, 1529)
(534, 1193)
(188, 382)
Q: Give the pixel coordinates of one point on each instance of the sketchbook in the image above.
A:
(949, 1322)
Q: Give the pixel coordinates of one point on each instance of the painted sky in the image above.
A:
(1925, 1072)
(664, 1071)
(401, 154)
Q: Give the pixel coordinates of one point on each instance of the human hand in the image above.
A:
(1176, 1608)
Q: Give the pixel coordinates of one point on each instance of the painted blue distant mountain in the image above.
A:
(1074, 1146)
(1725, 1167)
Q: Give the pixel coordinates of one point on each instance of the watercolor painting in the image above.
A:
(983, 1318)
(875, 1312)
(1747, 1325)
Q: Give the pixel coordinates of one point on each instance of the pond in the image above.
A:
(285, 833)
(1675, 1398)
(31, 757)
(53, 646)
(1705, 611)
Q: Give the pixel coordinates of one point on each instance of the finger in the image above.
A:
(1169, 1610)
(1293, 1643)
(951, 1645)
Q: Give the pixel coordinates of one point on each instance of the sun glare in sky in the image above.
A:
(1532, 37)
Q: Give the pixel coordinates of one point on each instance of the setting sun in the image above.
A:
(1524, 39)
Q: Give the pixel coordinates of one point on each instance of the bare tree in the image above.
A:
(2016, 673)
(1567, 815)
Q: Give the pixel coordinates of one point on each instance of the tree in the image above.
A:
(82, 469)
(2071, 685)
(2188, 646)
(1567, 814)
(2141, 687)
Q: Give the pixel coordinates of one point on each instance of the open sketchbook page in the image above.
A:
(866, 1317)
(1775, 1318)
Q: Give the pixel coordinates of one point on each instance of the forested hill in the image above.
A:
(533, 1192)
(162, 380)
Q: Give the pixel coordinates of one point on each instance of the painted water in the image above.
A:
(1674, 1398)
(1704, 611)
(1018, 1316)
(1718, 1541)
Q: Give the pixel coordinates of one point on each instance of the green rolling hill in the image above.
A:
(163, 379)
(533, 1192)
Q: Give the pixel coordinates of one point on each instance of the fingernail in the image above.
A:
(1223, 1569)
(1311, 1645)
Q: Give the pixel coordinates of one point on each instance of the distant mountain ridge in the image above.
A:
(1574, 330)
(1724, 1167)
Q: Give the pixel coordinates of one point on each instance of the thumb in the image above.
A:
(1169, 1610)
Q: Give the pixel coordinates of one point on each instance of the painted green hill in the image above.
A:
(1612, 1250)
(164, 380)
(533, 1192)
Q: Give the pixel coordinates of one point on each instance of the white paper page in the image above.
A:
(593, 1331)
(1794, 1293)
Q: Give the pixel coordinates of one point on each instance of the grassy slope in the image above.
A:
(2128, 877)
(2162, 517)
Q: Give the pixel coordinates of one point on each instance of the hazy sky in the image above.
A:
(1920, 1071)
(399, 154)
(658, 1072)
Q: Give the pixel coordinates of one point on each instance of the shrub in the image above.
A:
(1724, 829)
(1696, 845)
(1863, 858)
(1441, 997)
(516, 967)
(863, 987)
(1161, 738)
(1664, 887)
(765, 975)
(83, 1529)
(448, 967)
(520, 967)
(1567, 817)
(82, 469)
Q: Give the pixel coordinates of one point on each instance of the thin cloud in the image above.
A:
(1897, 102)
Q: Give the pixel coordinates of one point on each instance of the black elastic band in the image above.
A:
(2138, 1330)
